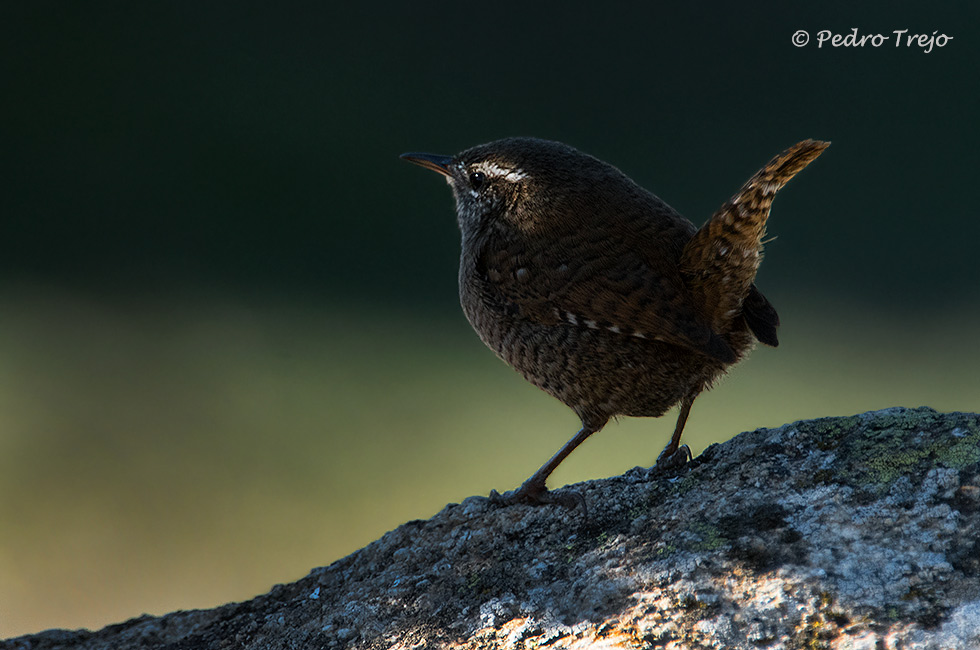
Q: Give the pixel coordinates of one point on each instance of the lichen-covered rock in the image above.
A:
(856, 532)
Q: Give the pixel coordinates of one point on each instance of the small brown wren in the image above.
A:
(600, 293)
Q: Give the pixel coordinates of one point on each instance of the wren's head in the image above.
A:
(522, 183)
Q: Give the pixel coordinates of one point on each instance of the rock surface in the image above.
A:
(854, 532)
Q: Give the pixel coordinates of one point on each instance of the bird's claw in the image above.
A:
(534, 494)
(672, 459)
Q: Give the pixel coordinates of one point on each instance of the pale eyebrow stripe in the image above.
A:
(495, 170)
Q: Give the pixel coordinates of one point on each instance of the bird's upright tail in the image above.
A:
(721, 260)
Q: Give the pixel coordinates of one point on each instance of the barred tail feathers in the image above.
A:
(722, 258)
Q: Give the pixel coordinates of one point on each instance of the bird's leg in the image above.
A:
(675, 454)
(534, 491)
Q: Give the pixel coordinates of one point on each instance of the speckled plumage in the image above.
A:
(597, 291)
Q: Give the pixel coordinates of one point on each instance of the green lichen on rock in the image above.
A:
(829, 431)
(665, 550)
(889, 465)
(709, 537)
(685, 485)
(899, 442)
(964, 451)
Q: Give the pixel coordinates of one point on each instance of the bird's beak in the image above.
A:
(429, 161)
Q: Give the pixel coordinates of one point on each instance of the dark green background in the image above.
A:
(230, 345)
(253, 147)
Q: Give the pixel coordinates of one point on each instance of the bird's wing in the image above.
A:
(609, 286)
(760, 316)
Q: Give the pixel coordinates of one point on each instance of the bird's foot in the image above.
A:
(534, 493)
(671, 460)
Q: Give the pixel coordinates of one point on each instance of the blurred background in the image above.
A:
(230, 344)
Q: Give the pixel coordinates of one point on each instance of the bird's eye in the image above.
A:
(478, 180)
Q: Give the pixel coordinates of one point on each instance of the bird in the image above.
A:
(601, 294)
